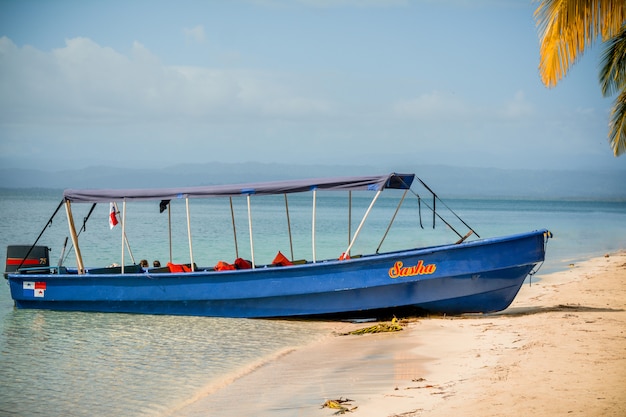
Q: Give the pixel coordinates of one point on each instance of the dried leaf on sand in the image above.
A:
(393, 326)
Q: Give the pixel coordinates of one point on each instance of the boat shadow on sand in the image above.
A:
(414, 313)
(569, 308)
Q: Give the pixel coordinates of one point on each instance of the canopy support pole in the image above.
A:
(169, 226)
(123, 230)
(349, 217)
(289, 226)
(358, 230)
(392, 220)
(232, 216)
(189, 235)
(313, 224)
(250, 231)
(124, 237)
(74, 236)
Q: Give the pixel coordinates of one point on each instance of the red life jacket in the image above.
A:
(281, 260)
(224, 266)
(178, 267)
(241, 263)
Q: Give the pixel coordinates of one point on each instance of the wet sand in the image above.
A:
(559, 350)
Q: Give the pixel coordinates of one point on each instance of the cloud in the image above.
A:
(81, 80)
(438, 106)
(84, 82)
(92, 100)
(434, 105)
(517, 108)
(195, 34)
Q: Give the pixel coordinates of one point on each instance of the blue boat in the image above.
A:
(466, 276)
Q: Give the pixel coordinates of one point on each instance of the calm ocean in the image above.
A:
(86, 364)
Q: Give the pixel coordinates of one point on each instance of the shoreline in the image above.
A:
(559, 349)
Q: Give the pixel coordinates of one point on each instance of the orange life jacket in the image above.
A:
(224, 266)
(241, 263)
(178, 267)
(281, 260)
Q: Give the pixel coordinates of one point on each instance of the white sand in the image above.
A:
(559, 350)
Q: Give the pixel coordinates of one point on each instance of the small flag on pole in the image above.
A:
(112, 216)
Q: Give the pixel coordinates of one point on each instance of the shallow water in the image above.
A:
(84, 364)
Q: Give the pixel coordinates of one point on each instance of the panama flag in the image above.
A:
(34, 289)
(112, 216)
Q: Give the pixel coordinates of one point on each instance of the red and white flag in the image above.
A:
(34, 289)
(112, 216)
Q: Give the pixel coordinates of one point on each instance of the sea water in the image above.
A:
(85, 364)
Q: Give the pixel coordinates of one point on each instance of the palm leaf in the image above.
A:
(613, 65)
(566, 27)
(617, 125)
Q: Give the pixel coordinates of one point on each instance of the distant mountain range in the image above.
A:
(447, 181)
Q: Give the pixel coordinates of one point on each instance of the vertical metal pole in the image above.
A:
(189, 235)
(123, 232)
(250, 230)
(349, 217)
(313, 224)
(124, 237)
(169, 226)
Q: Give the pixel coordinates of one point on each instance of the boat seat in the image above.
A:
(158, 270)
(128, 269)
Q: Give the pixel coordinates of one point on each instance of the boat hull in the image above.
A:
(480, 276)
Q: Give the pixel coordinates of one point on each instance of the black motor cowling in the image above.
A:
(28, 257)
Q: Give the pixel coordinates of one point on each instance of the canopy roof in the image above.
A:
(375, 183)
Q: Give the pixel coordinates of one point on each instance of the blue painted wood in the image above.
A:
(478, 276)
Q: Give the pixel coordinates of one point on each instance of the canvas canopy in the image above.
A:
(373, 183)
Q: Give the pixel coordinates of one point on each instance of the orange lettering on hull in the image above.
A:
(399, 270)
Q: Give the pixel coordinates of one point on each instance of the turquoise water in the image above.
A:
(84, 364)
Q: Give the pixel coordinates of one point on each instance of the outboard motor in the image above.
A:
(16, 255)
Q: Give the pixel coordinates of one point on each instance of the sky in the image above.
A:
(380, 82)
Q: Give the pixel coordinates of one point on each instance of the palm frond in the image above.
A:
(613, 64)
(567, 27)
(617, 126)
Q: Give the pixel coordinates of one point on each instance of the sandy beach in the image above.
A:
(558, 350)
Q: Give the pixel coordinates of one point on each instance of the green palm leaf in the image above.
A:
(566, 28)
